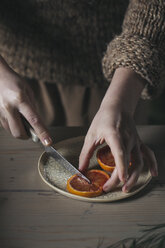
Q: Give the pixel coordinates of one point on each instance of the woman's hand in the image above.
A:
(114, 124)
(16, 99)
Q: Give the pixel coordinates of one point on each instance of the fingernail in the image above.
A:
(97, 141)
(47, 141)
(125, 189)
(105, 188)
(80, 167)
(82, 170)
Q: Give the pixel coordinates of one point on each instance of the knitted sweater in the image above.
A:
(65, 41)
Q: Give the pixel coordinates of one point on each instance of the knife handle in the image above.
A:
(30, 131)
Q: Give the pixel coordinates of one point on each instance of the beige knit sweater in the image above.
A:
(65, 41)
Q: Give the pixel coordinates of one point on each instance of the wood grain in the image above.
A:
(33, 215)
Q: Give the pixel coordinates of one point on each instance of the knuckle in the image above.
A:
(20, 96)
(7, 106)
(34, 120)
(42, 133)
(16, 98)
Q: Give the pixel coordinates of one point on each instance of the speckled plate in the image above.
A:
(56, 176)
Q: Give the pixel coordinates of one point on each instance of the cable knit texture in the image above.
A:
(141, 45)
(60, 41)
(64, 41)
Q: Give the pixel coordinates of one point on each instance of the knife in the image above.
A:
(54, 153)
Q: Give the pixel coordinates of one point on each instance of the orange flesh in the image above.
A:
(106, 157)
(98, 178)
(81, 184)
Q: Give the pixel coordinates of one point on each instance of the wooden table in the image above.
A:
(33, 215)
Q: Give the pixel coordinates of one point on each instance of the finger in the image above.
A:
(32, 117)
(135, 169)
(115, 143)
(31, 96)
(101, 141)
(87, 152)
(15, 124)
(4, 124)
(150, 159)
(130, 135)
(112, 182)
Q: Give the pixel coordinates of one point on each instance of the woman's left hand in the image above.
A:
(114, 125)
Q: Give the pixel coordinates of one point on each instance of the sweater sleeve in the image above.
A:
(141, 45)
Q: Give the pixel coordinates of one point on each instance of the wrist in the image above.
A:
(124, 90)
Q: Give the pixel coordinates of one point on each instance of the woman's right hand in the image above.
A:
(16, 99)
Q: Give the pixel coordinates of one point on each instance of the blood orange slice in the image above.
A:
(79, 186)
(105, 158)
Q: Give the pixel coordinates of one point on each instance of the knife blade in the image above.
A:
(54, 153)
(65, 163)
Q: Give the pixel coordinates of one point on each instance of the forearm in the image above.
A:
(140, 46)
(124, 90)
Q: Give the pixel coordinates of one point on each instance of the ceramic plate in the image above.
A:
(56, 176)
